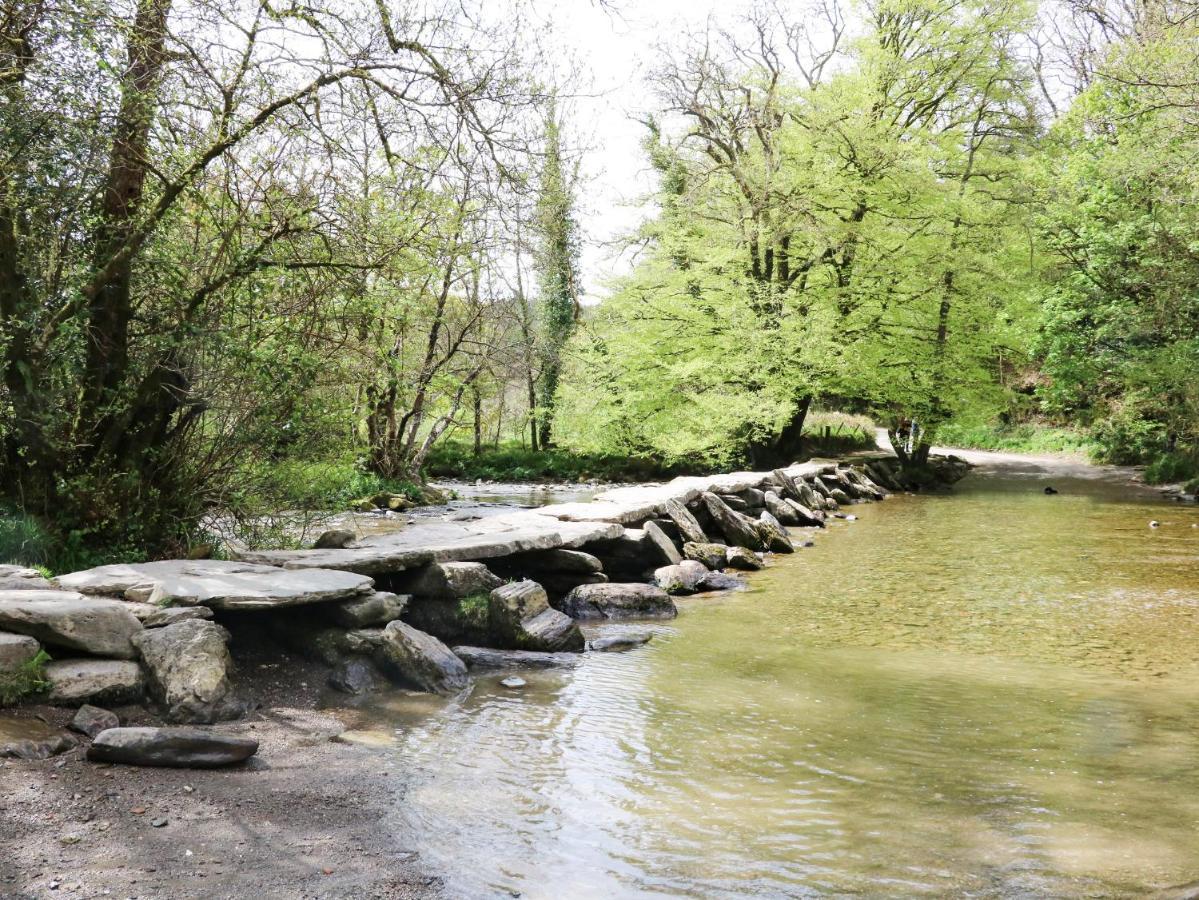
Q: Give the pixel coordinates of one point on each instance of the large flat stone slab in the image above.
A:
(69, 619)
(420, 545)
(220, 584)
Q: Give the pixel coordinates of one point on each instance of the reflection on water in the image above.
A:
(989, 694)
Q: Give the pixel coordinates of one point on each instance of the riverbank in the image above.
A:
(269, 827)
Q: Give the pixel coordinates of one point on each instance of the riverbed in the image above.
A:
(989, 693)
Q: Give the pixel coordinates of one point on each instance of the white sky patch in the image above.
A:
(615, 50)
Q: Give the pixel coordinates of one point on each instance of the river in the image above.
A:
(990, 693)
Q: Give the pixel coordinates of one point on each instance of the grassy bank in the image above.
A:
(1026, 438)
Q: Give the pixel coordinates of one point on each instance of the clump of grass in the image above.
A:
(474, 610)
(26, 680)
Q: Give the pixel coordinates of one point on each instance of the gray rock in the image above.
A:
(808, 496)
(68, 619)
(354, 676)
(521, 617)
(774, 535)
(687, 524)
(805, 516)
(188, 666)
(619, 601)
(19, 578)
(377, 608)
(840, 497)
(91, 720)
(221, 584)
(173, 614)
(788, 489)
(489, 658)
(334, 539)
(864, 484)
(418, 659)
(619, 642)
(780, 509)
(685, 578)
(513, 681)
(77, 681)
(753, 497)
(710, 555)
(16, 650)
(733, 502)
(720, 581)
(183, 748)
(667, 552)
(449, 581)
(746, 560)
(738, 530)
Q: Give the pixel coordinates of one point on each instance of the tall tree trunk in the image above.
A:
(478, 411)
(110, 305)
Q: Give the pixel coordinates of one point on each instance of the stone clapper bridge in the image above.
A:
(504, 590)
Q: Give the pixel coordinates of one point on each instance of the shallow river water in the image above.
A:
(993, 693)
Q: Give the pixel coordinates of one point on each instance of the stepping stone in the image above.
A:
(185, 748)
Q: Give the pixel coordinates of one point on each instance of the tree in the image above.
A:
(557, 263)
(176, 239)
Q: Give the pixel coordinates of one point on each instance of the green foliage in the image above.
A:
(26, 680)
(514, 463)
(474, 611)
(837, 432)
(1024, 438)
(860, 239)
(1120, 190)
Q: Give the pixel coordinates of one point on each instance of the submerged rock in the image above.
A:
(521, 616)
(91, 720)
(22, 738)
(68, 619)
(619, 642)
(76, 681)
(187, 748)
(719, 581)
(711, 555)
(490, 658)
(512, 681)
(618, 601)
(188, 664)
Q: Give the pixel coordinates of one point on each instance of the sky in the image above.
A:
(615, 48)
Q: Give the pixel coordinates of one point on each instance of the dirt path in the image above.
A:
(307, 817)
